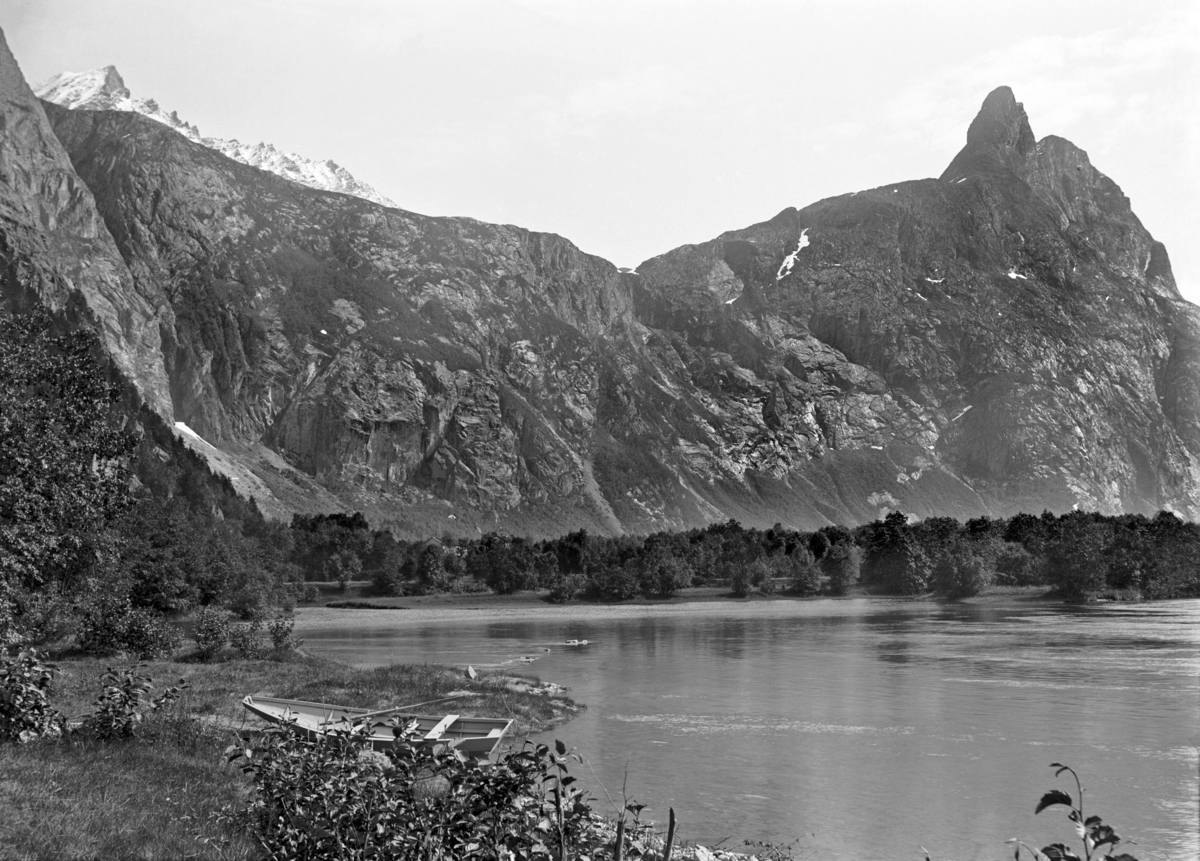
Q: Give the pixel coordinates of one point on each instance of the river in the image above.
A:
(856, 729)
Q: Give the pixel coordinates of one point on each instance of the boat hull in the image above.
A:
(476, 737)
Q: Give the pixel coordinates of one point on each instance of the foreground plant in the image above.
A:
(124, 703)
(326, 797)
(25, 711)
(1092, 830)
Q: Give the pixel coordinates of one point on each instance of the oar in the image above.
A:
(365, 715)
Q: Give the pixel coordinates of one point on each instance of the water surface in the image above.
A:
(859, 729)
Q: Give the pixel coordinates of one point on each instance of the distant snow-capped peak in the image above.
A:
(104, 90)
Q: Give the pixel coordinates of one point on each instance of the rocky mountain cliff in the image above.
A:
(104, 90)
(1005, 337)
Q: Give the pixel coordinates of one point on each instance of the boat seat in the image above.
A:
(440, 730)
(496, 733)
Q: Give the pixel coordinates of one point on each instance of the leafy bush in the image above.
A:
(149, 635)
(124, 702)
(280, 630)
(211, 633)
(247, 639)
(111, 626)
(321, 798)
(25, 712)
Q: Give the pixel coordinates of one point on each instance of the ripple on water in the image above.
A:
(712, 724)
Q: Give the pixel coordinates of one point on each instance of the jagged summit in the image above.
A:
(104, 89)
(1002, 123)
(99, 89)
(999, 138)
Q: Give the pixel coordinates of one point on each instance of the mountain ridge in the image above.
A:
(1007, 337)
(104, 89)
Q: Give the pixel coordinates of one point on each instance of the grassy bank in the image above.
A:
(154, 796)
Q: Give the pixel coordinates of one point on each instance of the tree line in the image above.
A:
(110, 525)
(1076, 554)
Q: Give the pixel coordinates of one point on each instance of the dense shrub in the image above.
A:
(211, 632)
(280, 630)
(25, 712)
(320, 798)
(108, 627)
(247, 639)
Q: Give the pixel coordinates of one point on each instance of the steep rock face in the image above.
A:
(1024, 327)
(398, 358)
(1005, 337)
(104, 90)
(408, 362)
(55, 247)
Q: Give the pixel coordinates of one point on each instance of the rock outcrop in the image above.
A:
(56, 249)
(1005, 337)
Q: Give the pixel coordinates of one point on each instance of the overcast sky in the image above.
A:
(635, 127)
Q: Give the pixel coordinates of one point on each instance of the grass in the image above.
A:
(85, 800)
(155, 797)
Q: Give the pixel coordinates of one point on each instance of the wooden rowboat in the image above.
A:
(475, 737)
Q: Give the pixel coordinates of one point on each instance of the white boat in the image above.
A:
(475, 737)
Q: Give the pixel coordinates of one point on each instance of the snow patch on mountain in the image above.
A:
(104, 90)
(785, 268)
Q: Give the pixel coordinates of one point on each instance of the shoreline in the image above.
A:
(704, 601)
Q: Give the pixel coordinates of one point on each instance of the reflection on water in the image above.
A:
(864, 728)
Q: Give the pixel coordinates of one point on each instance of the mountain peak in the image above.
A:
(999, 137)
(95, 90)
(112, 79)
(104, 89)
(1002, 123)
